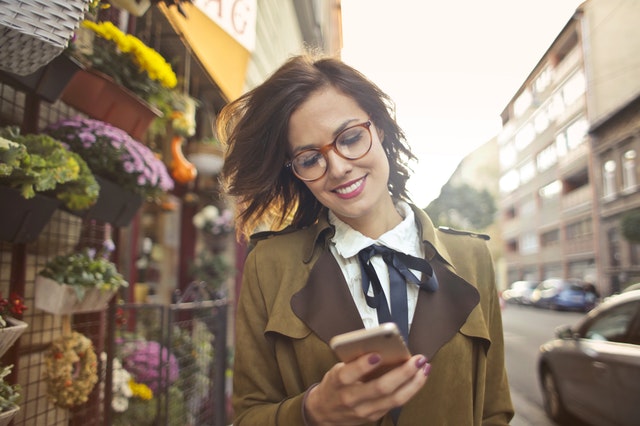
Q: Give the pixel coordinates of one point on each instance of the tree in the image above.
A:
(462, 206)
(630, 225)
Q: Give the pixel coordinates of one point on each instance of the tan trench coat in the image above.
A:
(294, 298)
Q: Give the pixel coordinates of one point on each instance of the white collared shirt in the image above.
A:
(346, 244)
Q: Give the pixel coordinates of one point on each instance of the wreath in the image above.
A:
(71, 370)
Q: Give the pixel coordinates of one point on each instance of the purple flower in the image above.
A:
(114, 155)
(150, 363)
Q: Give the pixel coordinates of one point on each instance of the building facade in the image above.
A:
(550, 185)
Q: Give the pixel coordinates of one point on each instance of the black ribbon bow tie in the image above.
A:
(399, 265)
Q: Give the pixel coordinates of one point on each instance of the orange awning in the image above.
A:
(223, 58)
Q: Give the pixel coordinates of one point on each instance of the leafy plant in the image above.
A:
(9, 394)
(111, 153)
(85, 270)
(39, 163)
(630, 225)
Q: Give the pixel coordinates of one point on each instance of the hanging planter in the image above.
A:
(48, 82)
(7, 416)
(61, 299)
(22, 220)
(99, 96)
(11, 333)
(115, 205)
(36, 31)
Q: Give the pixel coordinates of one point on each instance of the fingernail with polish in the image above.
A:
(421, 361)
(374, 359)
(426, 369)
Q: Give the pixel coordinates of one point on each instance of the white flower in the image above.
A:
(119, 404)
(199, 220)
(210, 213)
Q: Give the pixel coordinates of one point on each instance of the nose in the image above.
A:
(336, 165)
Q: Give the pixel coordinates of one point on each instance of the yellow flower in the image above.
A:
(140, 390)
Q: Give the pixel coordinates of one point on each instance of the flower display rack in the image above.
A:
(25, 219)
(36, 31)
(7, 416)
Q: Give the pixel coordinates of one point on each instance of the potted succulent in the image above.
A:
(10, 327)
(37, 173)
(122, 75)
(9, 396)
(127, 170)
(81, 281)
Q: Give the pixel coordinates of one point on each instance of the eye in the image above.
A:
(350, 136)
(308, 159)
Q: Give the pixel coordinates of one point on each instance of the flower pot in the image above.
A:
(11, 333)
(7, 416)
(115, 205)
(47, 82)
(207, 158)
(100, 97)
(22, 220)
(61, 299)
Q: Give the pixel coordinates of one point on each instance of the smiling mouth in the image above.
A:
(350, 188)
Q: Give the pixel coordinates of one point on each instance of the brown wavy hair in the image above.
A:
(255, 130)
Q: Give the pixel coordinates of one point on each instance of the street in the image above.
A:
(525, 329)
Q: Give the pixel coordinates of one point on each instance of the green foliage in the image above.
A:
(84, 270)
(464, 207)
(38, 163)
(9, 394)
(630, 225)
(211, 268)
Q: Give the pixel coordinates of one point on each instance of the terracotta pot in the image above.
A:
(22, 220)
(100, 97)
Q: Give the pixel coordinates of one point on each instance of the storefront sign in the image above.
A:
(236, 17)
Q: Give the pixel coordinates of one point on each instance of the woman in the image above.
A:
(315, 148)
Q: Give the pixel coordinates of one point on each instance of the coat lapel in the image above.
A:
(325, 304)
(440, 314)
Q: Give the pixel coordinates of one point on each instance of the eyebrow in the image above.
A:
(335, 134)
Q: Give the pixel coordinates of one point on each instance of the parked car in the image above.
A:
(591, 371)
(565, 294)
(519, 292)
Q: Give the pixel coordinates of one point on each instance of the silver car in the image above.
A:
(591, 371)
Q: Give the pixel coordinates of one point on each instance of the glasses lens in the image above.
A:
(354, 142)
(309, 165)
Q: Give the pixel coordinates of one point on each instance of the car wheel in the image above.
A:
(553, 405)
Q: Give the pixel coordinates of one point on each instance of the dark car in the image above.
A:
(565, 294)
(520, 292)
(591, 371)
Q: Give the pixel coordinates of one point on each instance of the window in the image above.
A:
(550, 238)
(528, 208)
(614, 325)
(546, 158)
(522, 103)
(573, 88)
(613, 239)
(578, 230)
(551, 190)
(509, 181)
(542, 80)
(634, 249)
(629, 171)
(576, 133)
(529, 243)
(527, 172)
(525, 136)
(609, 180)
(507, 156)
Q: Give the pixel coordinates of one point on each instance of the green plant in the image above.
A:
(85, 270)
(9, 394)
(39, 163)
(630, 225)
(211, 268)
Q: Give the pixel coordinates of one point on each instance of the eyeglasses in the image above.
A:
(352, 143)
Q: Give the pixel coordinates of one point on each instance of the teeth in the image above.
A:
(349, 188)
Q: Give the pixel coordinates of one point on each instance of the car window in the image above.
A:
(613, 325)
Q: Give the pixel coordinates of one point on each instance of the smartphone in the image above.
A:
(384, 339)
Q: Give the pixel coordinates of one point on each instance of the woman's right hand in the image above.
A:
(343, 398)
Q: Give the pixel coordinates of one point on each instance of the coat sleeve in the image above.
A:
(498, 409)
(259, 397)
